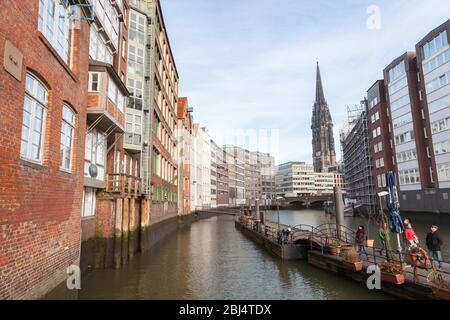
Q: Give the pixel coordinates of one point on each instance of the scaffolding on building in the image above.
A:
(357, 165)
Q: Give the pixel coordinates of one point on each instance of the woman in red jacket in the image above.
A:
(411, 236)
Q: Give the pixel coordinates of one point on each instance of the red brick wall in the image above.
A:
(40, 206)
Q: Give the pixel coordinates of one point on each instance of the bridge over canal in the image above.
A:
(306, 200)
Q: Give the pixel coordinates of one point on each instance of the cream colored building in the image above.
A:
(299, 179)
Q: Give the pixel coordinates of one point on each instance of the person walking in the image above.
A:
(360, 240)
(434, 244)
(385, 236)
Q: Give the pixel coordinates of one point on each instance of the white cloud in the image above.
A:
(251, 64)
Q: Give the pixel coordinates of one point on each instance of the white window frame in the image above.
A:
(442, 147)
(92, 193)
(112, 86)
(121, 101)
(67, 127)
(91, 81)
(95, 153)
(444, 172)
(31, 93)
(51, 26)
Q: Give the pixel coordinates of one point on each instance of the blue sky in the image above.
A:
(248, 66)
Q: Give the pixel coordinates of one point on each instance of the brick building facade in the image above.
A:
(43, 85)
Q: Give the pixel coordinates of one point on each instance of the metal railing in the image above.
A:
(322, 237)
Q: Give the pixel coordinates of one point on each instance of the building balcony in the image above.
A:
(123, 185)
(133, 142)
(106, 99)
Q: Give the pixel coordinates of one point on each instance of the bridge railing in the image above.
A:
(322, 237)
(347, 235)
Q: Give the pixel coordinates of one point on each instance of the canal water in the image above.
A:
(212, 260)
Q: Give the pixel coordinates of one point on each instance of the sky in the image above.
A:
(248, 67)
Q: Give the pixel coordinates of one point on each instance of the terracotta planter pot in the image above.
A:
(355, 266)
(334, 251)
(393, 278)
(370, 243)
(441, 294)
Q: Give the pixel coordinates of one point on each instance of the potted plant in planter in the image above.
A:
(334, 248)
(439, 286)
(392, 272)
(352, 260)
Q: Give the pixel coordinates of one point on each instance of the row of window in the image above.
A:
(397, 71)
(411, 176)
(435, 45)
(441, 125)
(439, 104)
(404, 138)
(54, 23)
(438, 83)
(436, 62)
(98, 50)
(108, 16)
(402, 120)
(442, 147)
(408, 155)
(398, 85)
(444, 172)
(159, 194)
(34, 121)
(401, 102)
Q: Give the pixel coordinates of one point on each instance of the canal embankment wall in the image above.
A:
(112, 250)
(283, 251)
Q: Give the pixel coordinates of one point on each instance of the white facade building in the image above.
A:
(299, 179)
(200, 168)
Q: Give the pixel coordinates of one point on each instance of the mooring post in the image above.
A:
(339, 208)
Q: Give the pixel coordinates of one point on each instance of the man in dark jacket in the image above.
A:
(434, 243)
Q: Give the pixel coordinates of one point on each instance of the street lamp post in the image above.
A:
(278, 211)
(381, 195)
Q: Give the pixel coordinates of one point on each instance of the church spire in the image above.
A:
(320, 96)
(324, 154)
